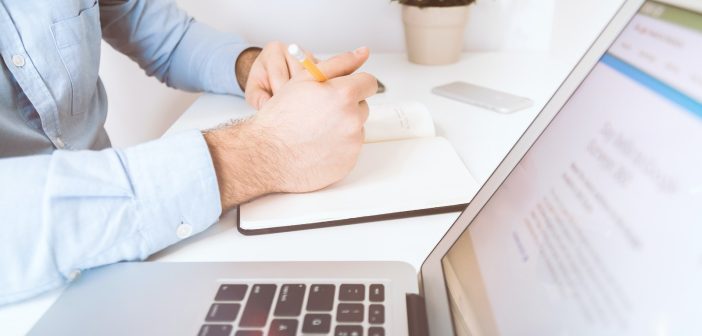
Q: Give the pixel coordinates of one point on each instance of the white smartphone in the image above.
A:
(499, 101)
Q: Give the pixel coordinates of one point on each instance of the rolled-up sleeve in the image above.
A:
(74, 210)
(171, 46)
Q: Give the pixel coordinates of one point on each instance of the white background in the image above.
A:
(142, 109)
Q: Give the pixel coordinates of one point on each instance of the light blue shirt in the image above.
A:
(67, 201)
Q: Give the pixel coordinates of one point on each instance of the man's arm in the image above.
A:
(173, 47)
(185, 54)
(305, 138)
(69, 211)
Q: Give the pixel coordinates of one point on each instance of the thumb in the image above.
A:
(344, 64)
(256, 97)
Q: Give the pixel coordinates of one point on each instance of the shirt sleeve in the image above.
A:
(171, 46)
(73, 210)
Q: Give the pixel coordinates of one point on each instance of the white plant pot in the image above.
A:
(434, 35)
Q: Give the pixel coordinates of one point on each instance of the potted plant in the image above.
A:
(434, 29)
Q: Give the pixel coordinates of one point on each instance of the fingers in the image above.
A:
(364, 110)
(344, 64)
(271, 70)
(256, 96)
(278, 73)
(278, 65)
(358, 86)
(294, 67)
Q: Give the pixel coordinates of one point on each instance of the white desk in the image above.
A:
(480, 136)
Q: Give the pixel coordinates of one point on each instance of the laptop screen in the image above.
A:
(598, 229)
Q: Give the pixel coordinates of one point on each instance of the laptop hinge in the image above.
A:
(417, 315)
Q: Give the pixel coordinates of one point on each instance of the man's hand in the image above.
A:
(243, 64)
(272, 68)
(305, 138)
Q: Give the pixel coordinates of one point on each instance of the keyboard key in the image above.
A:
(376, 314)
(222, 312)
(376, 293)
(215, 330)
(258, 306)
(352, 292)
(321, 298)
(249, 333)
(317, 323)
(280, 327)
(349, 312)
(231, 292)
(348, 330)
(290, 300)
(376, 331)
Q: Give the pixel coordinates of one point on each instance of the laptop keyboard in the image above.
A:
(296, 309)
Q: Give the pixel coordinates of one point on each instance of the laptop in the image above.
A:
(590, 226)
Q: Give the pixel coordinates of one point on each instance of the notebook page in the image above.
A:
(398, 121)
(393, 176)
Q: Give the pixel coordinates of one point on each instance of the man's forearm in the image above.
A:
(74, 210)
(246, 162)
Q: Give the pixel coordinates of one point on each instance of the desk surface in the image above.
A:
(480, 136)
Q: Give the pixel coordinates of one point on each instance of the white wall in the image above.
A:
(142, 109)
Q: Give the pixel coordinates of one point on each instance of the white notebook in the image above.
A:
(403, 170)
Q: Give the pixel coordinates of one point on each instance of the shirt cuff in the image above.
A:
(179, 190)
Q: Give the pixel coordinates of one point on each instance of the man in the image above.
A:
(68, 202)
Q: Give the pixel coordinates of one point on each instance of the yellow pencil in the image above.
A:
(295, 51)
